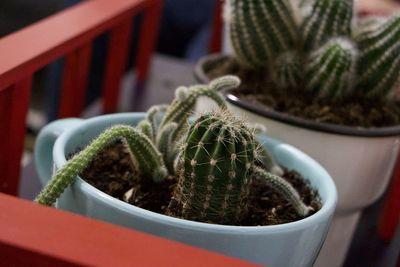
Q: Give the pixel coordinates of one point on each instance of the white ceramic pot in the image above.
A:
(287, 245)
(360, 161)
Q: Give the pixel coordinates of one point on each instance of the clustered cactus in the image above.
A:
(214, 164)
(318, 43)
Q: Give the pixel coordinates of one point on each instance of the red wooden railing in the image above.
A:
(70, 34)
(32, 235)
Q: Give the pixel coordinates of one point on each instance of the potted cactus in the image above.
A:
(214, 166)
(324, 80)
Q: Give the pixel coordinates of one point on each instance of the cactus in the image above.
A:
(328, 19)
(260, 29)
(144, 142)
(330, 71)
(287, 70)
(144, 154)
(379, 63)
(186, 98)
(216, 168)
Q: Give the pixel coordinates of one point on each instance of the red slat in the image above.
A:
(14, 102)
(390, 214)
(39, 44)
(116, 62)
(73, 89)
(34, 235)
(216, 34)
(147, 41)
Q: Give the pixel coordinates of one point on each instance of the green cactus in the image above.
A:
(260, 29)
(186, 99)
(328, 19)
(330, 71)
(145, 142)
(287, 70)
(379, 62)
(144, 155)
(216, 168)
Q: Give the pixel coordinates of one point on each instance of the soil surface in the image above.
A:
(257, 88)
(112, 173)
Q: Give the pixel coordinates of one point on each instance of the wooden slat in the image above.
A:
(34, 235)
(117, 56)
(390, 215)
(216, 33)
(14, 102)
(148, 36)
(39, 44)
(75, 76)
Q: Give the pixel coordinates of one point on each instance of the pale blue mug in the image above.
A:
(286, 245)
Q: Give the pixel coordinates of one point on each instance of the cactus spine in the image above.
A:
(379, 63)
(328, 19)
(216, 168)
(261, 28)
(331, 69)
(144, 154)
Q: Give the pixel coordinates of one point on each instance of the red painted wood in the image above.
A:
(390, 214)
(14, 101)
(39, 44)
(216, 34)
(117, 56)
(34, 235)
(148, 36)
(75, 76)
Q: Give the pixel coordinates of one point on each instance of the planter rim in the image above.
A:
(290, 119)
(326, 209)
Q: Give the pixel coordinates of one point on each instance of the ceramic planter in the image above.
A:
(360, 161)
(291, 244)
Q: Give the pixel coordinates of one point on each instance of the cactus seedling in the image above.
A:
(219, 159)
(216, 168)
(146, 154)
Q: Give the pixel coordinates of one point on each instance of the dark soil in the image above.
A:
(354, 111)
(112, 173)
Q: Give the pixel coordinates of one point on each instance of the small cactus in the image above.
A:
(379, 63)
(145, 142)
(330, 71)
(186, 99)
(216, 168)
(287, 70)
(144, 154)
(328, 19)
(260, 29)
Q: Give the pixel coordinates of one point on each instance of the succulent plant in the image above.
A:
(144, 154)
(260, 30)
(379, 61)
(331, 69)
(219, 158)
(324, 49)
(141, 141)
(215, 171)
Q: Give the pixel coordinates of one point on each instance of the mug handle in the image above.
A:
(43, 151)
